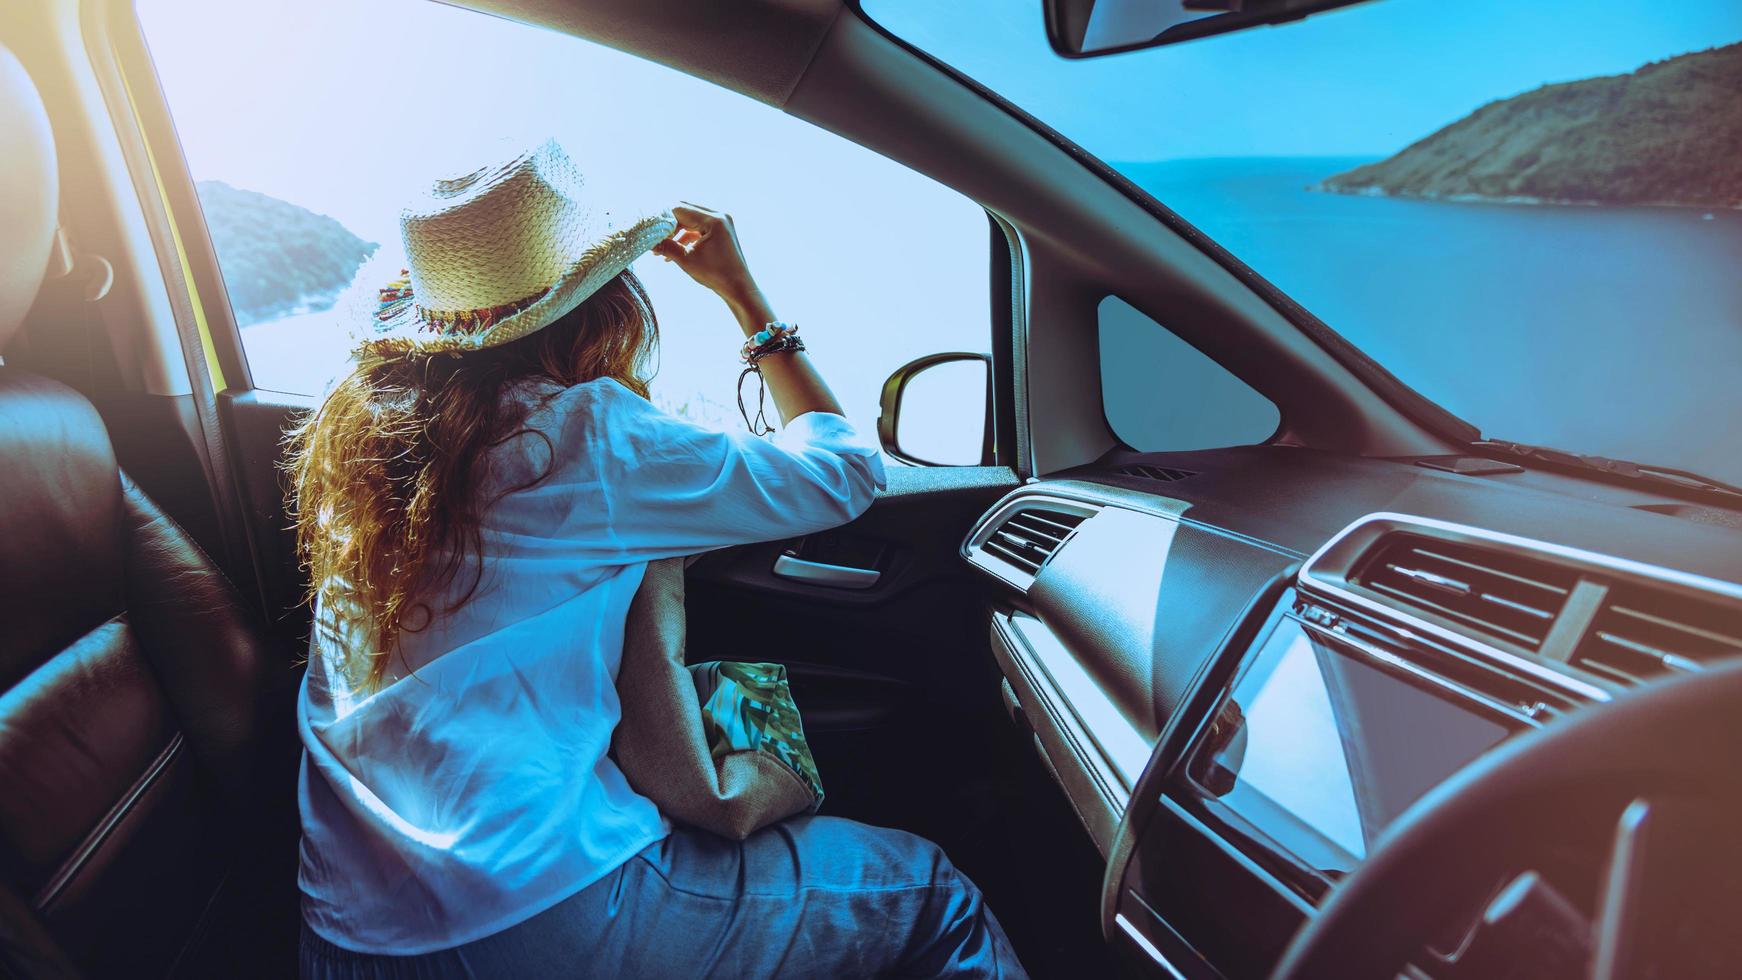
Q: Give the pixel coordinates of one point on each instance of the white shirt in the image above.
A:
(473, 790)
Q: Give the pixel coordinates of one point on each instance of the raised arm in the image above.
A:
(664, 486)
(706, 247)
(673, 487)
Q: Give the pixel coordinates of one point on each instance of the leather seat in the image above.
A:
(136, 693)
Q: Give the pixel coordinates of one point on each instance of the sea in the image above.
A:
(1613, 331)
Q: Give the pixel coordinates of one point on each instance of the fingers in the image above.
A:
(699, 213)
(695, 224)
(695, 219)
(692, 227)
(679, 246)
(718, 266)
(704, 220)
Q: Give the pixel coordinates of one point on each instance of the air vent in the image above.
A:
(1029, 537)
(1498, 593)
(1160, 474)
(1641, 632)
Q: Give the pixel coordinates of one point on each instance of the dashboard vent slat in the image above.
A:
(1548, 588)
(1159, 474)
(1021, 558)
(1641, 632)
(1501, 594)
(1027, 538)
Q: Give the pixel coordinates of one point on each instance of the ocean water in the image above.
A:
(1610, 331)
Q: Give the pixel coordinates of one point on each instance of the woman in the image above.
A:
(477, 502)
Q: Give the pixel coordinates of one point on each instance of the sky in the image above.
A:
(1364, 80)
(341, 106)
(334, 105)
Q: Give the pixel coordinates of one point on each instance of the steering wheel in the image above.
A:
(1657, 774)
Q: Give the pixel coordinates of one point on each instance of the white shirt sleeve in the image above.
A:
(644, 484)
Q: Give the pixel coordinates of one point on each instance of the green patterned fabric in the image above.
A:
(749, 708)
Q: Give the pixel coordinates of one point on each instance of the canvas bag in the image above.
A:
(717, 745)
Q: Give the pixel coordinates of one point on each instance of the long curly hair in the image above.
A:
(385, 475)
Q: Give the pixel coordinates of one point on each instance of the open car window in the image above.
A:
(1544, 237)
(300, 184)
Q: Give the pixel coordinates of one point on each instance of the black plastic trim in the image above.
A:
(1004, 326)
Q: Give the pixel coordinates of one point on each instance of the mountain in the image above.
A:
(1668, 134)
(277, 258)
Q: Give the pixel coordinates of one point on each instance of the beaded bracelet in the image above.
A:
(775, 338)
(769, 333)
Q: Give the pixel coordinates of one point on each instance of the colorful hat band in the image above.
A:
(393, 298)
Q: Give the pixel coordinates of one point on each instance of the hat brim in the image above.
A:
(405, 334)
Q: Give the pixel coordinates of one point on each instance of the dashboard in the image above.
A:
(1243, 665)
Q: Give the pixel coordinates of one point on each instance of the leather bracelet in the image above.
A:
(780, 342)
(779, 345)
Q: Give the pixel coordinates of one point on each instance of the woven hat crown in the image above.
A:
(499, 235)
(495, 254)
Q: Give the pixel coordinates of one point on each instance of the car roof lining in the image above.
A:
(760, 48)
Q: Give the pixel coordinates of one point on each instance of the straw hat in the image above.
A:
(498, 253)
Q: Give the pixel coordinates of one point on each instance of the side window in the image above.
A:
(1162, 394)
(309, 123)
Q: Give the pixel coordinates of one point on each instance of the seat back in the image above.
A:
(134, 686)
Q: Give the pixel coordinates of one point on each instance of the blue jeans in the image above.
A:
(809, 897)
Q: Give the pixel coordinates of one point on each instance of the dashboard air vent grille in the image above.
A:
(1029, 537)
(1641, 632)
(1499, 593)
(1160, 474)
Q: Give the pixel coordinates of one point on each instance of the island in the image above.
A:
(277, 258)
(1668, 134)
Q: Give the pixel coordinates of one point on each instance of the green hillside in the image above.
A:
(277, 258)
(1669, 133)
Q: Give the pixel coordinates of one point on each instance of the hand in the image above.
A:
(705, 246)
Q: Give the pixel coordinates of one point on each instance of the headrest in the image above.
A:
(29, 194)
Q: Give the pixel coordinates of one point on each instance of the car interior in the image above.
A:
(1366, 696)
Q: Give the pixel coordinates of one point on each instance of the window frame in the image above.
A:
(180, 220)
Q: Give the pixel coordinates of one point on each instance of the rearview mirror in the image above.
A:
(937, 411)
(1087, 28)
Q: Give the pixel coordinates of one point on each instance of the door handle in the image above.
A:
(832, 576)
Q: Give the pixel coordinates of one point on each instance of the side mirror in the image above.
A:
(937, 411)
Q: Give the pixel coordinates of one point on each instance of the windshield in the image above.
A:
(1531, 213)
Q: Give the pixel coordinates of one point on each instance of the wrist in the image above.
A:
(750, 307)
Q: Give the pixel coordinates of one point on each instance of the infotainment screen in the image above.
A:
(1320, 749)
